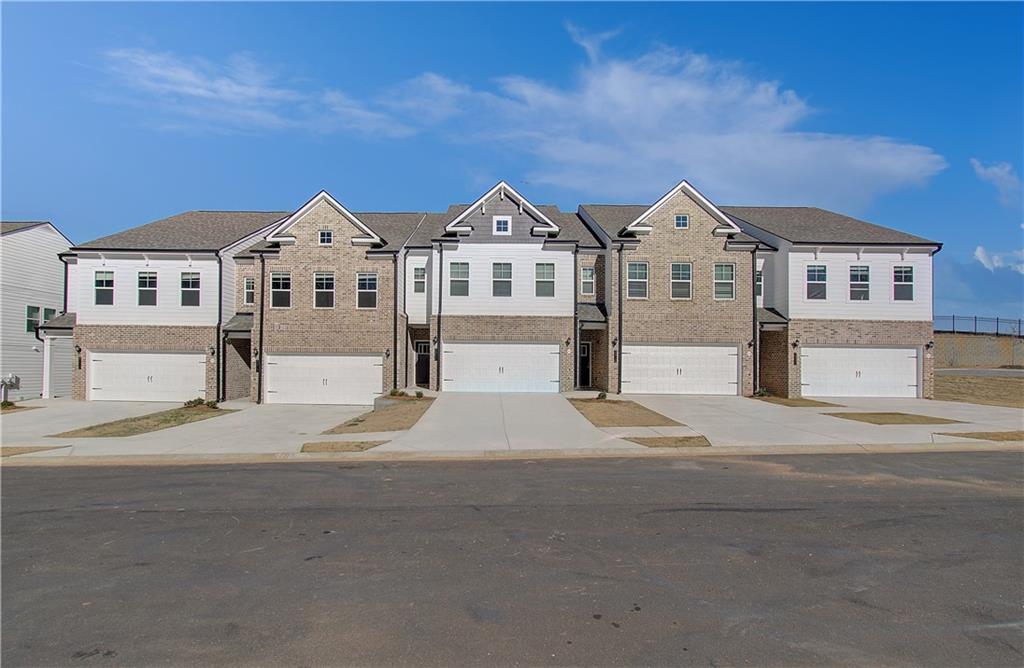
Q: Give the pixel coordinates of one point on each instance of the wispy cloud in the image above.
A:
(1013, 260)
(1005, 180)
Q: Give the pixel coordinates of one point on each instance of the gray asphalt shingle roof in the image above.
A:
(7, 227)
(192, 230)
(770, 316)
(240, 322)
(62, 321)
(803, 224)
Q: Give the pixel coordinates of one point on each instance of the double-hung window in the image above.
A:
(501, 279)
(636, 280)
(323, 289)
(860, 281)
(586, 280)
(503, 226)
(326, 237)
(545, 279)
(249, 291)
(458, 279)
(190, 288)
(419, 279)
(31, 318)
(758, 283)
(682, 280)
(280, 289)
(147, 288)
(725, 281)
(366, 289)
(903, 284)
(816, 276)
(682, 221)
(104, 284)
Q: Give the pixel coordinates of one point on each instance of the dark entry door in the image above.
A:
(584, 365)
(423, 363)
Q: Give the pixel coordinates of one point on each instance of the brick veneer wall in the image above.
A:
(773, 353)
(701, 319)
(237, 356)
(143, 339)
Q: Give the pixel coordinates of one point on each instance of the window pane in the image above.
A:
(459, 270)
(723, 290)
(816, 272)
(815, 290)
(31, 318)
(280, 281)
(366, 281)
(636, 271)
(459, 288)
(147, 297)
(859, 293)
(323, 280)
(190, 297)
(324, 299)
(681, 271)
(48, 314)
(545, 272)
(724, 272)
(636, 289)
(502, 288)
(903, 274)
(189, 280)
(903, 292)
(859, 274)
(326, 237)
(147, 279)
(680, 290)
(104, 279)
(501, 270)
(682, 221)
(367, 300)
(280, 298)
(545, 288)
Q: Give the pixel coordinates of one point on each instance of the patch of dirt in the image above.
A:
(985, 390)
(13, 450)
(340, 446)
(893, 418)
(397, 417)
(144, 424)
(671, 441)
(17, 409)
(798, 402)
(620, 413)
(989, 435)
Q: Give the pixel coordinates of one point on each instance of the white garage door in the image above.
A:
(680, 370)
(858, 372)
(324, 379)
(500, 367)
(146, 376)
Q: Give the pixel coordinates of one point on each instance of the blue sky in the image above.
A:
(906, 115)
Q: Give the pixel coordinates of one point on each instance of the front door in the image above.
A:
(423, 363)
(584, 365)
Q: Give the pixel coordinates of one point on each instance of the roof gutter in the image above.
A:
(259, 347)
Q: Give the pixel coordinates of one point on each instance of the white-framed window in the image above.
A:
(280, 289)
(104, 288)
(636, 280)
(816, 278)
(48, 314)
(419, 279)
(682, 221)
(544, 277)
(586, 280)
(860, 283)
(190, 288)
(366, 289)
(682, 280)
(323, 289)
(249, 291)
(501, 279)
(758, 283)
(147, 288)
(32, 318)
(458, 279)
(725, 281)
(326, 237)
(502, 226)
(903, 283)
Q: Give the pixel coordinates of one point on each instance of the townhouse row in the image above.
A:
(328, 306)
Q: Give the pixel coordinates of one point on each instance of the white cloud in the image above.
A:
(1002, 176)
(1013, 260)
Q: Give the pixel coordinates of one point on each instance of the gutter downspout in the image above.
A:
(60, 256)
(575, 317)
(219, 347)
(259, 347)
(753, 296)
(440, 298)
(394, 327)
(619, 391)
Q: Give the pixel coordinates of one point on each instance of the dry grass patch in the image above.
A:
(671, 441)
(989, 435)
(893, 418)
(14, 450)
(986, 390)
(340, 446)
(396, 417)
(17, 409)
(617, 413)
(798, 402)
(144, 424)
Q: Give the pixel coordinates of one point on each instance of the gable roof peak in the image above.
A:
(371, 238)
(638, 227)
(502, 188)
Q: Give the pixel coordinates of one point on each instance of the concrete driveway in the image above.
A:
(460, 422)
(742, 421)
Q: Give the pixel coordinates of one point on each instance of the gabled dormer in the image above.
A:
(328, 236)
(640, 225)
(502, 214)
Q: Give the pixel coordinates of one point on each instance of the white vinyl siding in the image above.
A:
(416, 290)
(858, 371)
(324, 379)
(117, 376)
(500, 367)
(683, 369)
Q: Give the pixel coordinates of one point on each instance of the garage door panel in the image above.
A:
(117, 376)
(654, 369)
(324, 379)
(500, 367)
(859, 371)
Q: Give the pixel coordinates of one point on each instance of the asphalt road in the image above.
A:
(813, 560)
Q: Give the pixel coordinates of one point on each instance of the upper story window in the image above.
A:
(147, 288)
(636, 280)
(104, 284)
(419, 279)
(903, 284)
(682, 280)
(682, 221)
(544, 274)
(249, 291)
(280, 289)
(48, 314)
(501, 279)
(458, 279)
(758, 283)
(366, 289)
(860, 280)
(323, 289)
(816, 276)
(502, 225)
(190, 288)
(326, 237)
(587, 280)
(31, 318)
(725, 281)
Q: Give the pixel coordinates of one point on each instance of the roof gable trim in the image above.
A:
(547, 226)
(371, 238)
(638, 226)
